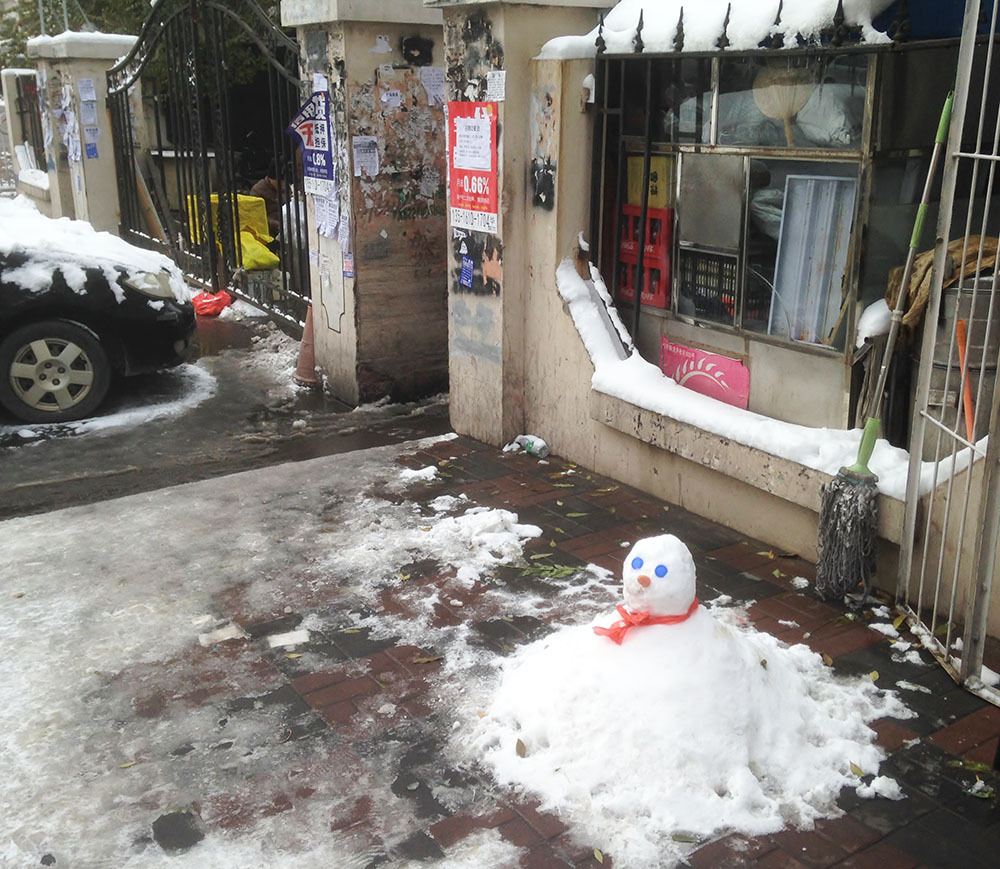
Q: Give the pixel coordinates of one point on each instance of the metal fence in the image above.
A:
(948, 554)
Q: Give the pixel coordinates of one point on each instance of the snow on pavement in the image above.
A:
(101, 730)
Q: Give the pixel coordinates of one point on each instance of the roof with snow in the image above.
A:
(660, 26)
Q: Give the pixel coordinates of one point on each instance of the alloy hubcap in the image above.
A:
(51, 374)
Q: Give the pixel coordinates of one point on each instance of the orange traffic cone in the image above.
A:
(305, 371)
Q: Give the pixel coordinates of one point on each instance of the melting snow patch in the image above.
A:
(444, 503)
(913, 686)
(881, 786)
(290, 638)
(884, 628)
(428, 473)
(220, 635)
(800, 582)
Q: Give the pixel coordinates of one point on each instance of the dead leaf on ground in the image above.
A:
(827, 660)
(598, 856)
(857, 770)
(429, 659)
(520, 748)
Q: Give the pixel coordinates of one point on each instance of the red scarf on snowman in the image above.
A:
(631, 620)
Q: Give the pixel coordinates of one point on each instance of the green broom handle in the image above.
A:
(911, 255)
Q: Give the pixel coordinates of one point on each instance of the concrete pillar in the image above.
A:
(486, 44)
(379, 286)
(72, 80)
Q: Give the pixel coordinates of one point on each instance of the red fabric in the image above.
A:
(631, 620)
(211, 304)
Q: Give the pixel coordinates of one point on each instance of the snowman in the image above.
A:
(659, 586)
(688, 723)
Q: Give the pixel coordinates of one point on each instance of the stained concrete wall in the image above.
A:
(380, 323)
(487, 339)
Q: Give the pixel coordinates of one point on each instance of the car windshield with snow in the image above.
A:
(78, 308)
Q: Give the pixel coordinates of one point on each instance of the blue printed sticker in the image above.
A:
(465, 279)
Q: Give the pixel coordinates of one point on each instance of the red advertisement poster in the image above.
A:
(472, 165)
(710, 374)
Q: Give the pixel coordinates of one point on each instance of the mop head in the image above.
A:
(848, 523)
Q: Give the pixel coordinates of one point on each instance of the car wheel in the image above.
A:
(53, 371)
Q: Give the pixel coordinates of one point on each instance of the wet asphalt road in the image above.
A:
(253, 420)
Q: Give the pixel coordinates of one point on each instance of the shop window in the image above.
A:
(797, 244)
(680, 99)
(739, 227)
(797, 102)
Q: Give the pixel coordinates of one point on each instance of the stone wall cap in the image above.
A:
(298, 13)
(72, 44)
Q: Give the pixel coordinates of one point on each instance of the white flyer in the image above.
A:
(365, 156)
(86, 88)
(496, 85)
(432, 78)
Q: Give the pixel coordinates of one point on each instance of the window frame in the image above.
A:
(612, 142)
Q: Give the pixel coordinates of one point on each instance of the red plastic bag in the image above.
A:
(211, 304)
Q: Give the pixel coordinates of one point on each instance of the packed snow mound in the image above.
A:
(750, 22)
(73, 246)
(683, 731)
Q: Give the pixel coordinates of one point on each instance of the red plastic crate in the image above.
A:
(656, 260)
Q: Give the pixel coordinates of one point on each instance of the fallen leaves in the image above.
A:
(428, 659)
(857, 770)
(520, 748)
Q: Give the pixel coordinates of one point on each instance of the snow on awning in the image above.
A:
(745, 23)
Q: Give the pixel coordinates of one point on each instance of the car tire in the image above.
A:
(53, 371)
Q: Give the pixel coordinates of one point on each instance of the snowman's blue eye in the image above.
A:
(661, 570)
(636, 563)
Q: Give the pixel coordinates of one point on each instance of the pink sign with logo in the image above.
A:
(710, 374)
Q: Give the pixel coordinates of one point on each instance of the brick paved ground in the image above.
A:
(328, 710)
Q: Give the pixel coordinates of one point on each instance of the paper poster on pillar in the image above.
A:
(311, 127)
(472, 165)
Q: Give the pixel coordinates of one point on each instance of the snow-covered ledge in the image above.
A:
(789, 461)
(71, 44)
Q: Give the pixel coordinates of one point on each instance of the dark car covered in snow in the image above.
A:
(78, 308)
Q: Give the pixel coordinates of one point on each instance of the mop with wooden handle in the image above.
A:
(848, 516)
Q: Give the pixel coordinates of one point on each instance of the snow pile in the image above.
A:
(275, 355)
(641, 383)
(875, 320)
(750, 23)
(72, 246)
(682, 732)
(187, 386)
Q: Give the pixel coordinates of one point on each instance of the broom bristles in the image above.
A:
(848, 526)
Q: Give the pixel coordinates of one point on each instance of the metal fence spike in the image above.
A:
(679, 33)
(899, 30)
(723, 40)
(637, 40)
(602, 46)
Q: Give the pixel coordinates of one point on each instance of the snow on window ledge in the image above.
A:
(785, 459)
(37, 182)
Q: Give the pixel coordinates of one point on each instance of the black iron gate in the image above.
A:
(191, 169)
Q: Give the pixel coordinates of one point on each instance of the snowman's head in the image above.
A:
(658, 576)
